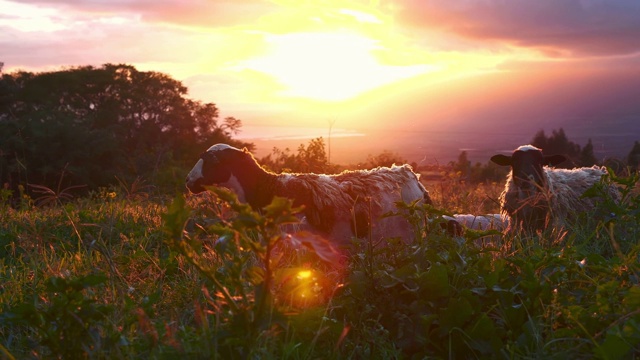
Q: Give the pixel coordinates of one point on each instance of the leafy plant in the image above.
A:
(249, 246)
(136, 190)
(5, 197)
(54, 197)
(67, 320)
(616, 220)
(57, 197)
(445, 297)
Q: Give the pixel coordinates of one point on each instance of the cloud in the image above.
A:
(86, 42)
(554, 27)
(42, 36)
(194, 13)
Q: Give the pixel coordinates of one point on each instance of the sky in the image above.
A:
(355, 65)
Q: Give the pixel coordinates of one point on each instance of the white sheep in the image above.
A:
(338, 207)
(498, 222)
(457, 224)
(537, 196)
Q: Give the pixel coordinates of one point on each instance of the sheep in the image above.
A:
(337, 207)
(537, 196)
(457, 222)
(456, 225)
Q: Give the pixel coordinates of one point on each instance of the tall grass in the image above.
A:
(115, 275)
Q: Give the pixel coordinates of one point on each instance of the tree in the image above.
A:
(633, 158)
(558, 143)
(462, 166)
(385, 158)
(100, 122)
(310, 158)
(587, 157)
(313, 158)
(540, 140)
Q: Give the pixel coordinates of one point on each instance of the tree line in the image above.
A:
(555, 143)
(90, 125)
(313, 158)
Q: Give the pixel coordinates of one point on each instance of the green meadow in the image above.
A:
(124, 273)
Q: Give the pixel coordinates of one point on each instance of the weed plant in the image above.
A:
(124, 275)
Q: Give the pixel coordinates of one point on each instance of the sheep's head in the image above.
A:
(216, 166)
(527, 164)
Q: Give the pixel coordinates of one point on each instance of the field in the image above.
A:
(121, 274)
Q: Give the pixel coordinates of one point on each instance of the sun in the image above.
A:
(328, 66)
(324, 51)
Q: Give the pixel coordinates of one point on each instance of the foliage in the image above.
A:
(587, 157)
(633, 158)
(129, 277)
(461, 196)
(247, 245)
(463, 165)
(68, 319)
(136, 189)
(463, 171)
(94, 122)
(311, 158)
(558, 143)
(448, 298)
(385, 158)
(619, 230)
(47, 196)
(77, 271)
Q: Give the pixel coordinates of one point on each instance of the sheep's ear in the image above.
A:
(554, 160)
(502, 160)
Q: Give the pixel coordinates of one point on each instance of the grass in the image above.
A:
(114, 275)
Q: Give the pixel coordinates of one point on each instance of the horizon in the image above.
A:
(373, 70)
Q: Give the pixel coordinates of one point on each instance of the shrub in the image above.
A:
(67, 321)
(247, 270)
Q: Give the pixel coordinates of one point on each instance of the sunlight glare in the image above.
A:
(30, 18)
(304, 274)
(329, 66)
(361, 16)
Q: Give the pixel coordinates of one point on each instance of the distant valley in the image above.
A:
(611, 138)
(436, 122)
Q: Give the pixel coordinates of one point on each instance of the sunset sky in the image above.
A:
(357, 63)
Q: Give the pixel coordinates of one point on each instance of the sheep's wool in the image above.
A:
(562, 197)
(481, 222)
(334, 201)
(527, 148)
(219, 147)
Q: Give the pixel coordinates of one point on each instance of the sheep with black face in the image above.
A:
(338, 207)
(537, 196)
